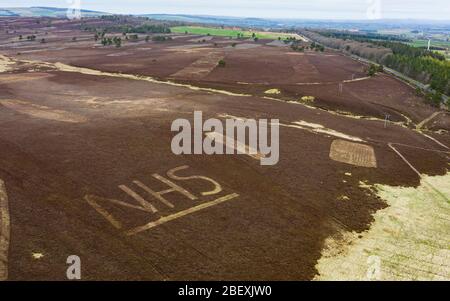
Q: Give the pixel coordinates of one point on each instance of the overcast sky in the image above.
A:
(311, 9)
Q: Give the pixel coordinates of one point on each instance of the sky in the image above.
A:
(298, 9)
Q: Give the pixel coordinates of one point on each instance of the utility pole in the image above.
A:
(386, 119)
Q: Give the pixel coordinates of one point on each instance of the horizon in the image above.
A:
(344, 10)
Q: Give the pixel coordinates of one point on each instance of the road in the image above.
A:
(408, 80)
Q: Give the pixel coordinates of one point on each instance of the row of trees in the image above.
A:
(425, 69)
(317, 47)
(362, 37)
(161, 38)
(422, 65)
(433, 98)
(145, 28)
(125, 29)
(241, 36)
(409, 51)
(117, 41)
(362, 49)
(98, 35)
(29, 38)
(297, 46)
(373, 69)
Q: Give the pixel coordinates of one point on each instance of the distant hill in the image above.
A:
(367, 25)
(287, 23)
(43, 12)
(227, 21)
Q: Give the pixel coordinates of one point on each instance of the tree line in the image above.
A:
(144, 28)
(427, 67)
(362, 37)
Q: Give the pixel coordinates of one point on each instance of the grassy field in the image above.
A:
(228, 32)
(424, 43)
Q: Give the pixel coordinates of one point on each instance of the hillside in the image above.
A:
(43, 12)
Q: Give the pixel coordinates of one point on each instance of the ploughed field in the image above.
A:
(86, 160)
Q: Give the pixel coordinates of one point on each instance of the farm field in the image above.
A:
(424, 43)
(226, 32)
(86, 165)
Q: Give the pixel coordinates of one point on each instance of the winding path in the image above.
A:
(425, 121)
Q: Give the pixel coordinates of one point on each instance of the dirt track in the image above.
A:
(264, 223)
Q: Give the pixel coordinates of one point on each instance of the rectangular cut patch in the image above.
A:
(353, 153)
(200, 68)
